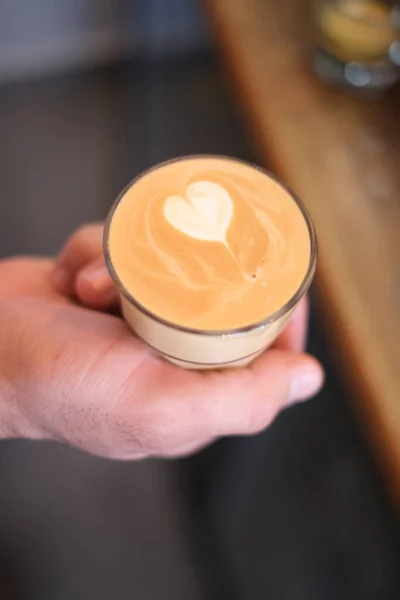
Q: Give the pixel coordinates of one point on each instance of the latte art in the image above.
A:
(205, 215)
(207, 244)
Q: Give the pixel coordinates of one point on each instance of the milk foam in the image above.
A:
(209, 243)
(205, 214)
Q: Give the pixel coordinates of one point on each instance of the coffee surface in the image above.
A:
(209, 243)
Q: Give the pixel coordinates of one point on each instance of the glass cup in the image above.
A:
(358, 42)
(204, 349)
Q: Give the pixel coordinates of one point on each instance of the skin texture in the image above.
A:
(69, 371)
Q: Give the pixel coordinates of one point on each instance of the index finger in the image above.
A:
(81, 248)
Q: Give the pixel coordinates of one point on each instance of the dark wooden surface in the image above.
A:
(341, 153)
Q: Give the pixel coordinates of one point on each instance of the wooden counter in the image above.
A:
(341, 154)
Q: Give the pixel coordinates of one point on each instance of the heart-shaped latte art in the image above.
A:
(205, 213)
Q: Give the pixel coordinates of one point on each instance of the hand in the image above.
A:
(75, 375)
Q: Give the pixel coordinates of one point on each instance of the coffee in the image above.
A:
(210, 255)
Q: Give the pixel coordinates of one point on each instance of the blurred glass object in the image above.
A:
(358, 42)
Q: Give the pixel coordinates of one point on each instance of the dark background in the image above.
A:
(298, 512)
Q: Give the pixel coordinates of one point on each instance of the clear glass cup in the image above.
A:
(358, 42)
(204, 349)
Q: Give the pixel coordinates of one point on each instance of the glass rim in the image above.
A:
(271, 318)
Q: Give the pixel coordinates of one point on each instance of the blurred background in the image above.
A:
(91, 93)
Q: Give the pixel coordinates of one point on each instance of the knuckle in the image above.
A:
(87, 232)
(86, 236)
(259, 418)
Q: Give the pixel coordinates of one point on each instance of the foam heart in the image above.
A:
(205, 213)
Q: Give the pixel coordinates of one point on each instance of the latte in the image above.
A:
(210, 248)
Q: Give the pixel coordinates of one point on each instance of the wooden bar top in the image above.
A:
(341, 154)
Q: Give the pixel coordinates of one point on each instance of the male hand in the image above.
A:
(78, 375)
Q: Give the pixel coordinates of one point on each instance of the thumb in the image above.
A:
(245, 401)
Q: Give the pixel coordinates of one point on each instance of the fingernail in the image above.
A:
(61, 277)
(98, 278)
(304, 385)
